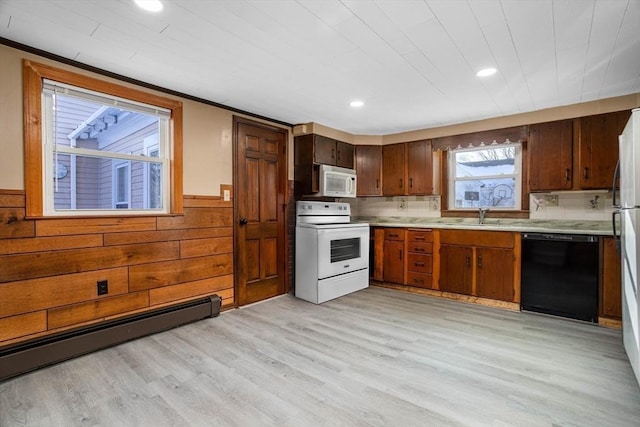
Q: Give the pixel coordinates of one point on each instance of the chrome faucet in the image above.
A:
(482, 212)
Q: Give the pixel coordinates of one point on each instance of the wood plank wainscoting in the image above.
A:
(49, 268)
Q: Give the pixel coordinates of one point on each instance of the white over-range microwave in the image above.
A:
(337, 182)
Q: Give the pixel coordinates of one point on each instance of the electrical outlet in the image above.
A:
(550, 200)
(226, 195)
(103, 287)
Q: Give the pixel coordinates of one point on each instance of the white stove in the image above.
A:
(332, 253)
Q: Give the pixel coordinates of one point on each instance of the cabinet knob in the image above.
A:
(243, 221)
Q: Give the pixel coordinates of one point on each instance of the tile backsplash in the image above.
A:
(397, 206)
(576, 205)
(590, 206)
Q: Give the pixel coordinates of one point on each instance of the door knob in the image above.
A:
(243, 221)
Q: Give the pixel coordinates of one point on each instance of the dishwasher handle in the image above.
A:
(560, 237)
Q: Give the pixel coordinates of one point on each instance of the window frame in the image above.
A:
(33, 76)
(517, 175)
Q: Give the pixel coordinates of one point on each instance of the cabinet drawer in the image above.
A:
(497, 239)
(422, 248)
(420, 280)
(419, 236)
(394, 234)
(419, 263)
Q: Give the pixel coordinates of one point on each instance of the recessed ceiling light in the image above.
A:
(486, 72)
(356, 104)
(150, 5)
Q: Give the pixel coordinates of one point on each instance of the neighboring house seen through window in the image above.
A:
(97, 148)
(486, 177)
(103, 142)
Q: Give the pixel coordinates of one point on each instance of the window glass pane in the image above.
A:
(154, 183)
(485, 162)
(87, 124)
(477, 193)
(100, 183)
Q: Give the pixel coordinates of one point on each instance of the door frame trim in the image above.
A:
(283, 180)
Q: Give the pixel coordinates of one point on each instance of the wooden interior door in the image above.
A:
(260, 195)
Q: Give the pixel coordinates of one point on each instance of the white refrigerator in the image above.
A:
(629, 212)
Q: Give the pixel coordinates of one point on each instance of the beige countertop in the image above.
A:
(599, 228)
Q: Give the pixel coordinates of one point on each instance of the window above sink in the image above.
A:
(486, 176)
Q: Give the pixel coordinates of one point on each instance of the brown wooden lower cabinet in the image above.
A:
(455, 269)
(480, 263)
(610, 280)
(419, 258)
(394, 255)
(494, 273)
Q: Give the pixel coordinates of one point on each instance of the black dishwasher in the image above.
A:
(560, 275)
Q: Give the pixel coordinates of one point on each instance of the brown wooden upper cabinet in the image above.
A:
(407, 168)
(596, 149)
(369, 170)
(419, 168)
(550, 155)
(575, 154)
(312, 150)
(393, 170)
(328, 151)
(323, 150)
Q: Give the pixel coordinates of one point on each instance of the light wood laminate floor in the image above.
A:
(376, 357)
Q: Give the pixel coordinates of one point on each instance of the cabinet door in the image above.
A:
(369, 170)
(419, 168)
(394, 261)
(455, 269)
(344, 155)
(376, 253)
(550, 155)
(610, 281)
(393, 170)
(494, 273)
(597, 149)
(324, 150)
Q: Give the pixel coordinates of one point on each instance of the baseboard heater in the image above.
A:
(28, 356)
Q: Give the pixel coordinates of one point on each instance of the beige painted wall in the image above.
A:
(208, 130)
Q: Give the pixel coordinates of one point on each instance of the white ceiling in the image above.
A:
(412, 62)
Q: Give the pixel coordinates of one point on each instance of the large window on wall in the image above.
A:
(486, 177)
(102, 149)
